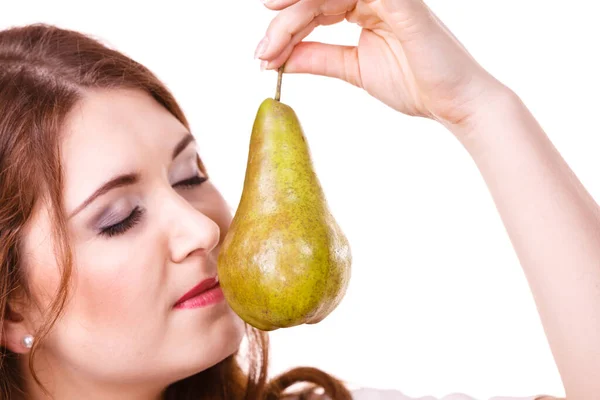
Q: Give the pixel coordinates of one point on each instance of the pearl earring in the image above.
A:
(28, 341)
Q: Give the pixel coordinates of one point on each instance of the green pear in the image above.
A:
(284, 261)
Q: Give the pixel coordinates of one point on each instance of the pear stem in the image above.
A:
(279, 78)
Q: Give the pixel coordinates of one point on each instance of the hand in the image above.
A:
(406, 57)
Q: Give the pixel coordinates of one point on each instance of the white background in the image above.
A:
(437, 301)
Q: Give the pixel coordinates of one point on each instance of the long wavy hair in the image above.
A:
(44, 70)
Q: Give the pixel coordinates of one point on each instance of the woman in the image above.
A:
(97, 161)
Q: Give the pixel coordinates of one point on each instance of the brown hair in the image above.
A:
(44, 70)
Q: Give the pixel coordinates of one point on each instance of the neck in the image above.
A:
(62, 382)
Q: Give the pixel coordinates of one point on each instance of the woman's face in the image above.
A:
(139, 245)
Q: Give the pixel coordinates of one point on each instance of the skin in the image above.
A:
(120, 337)
(407, 59)
(410, 61)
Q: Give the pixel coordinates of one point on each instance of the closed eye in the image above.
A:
(134, 217)
(126, 224)
(191, 182)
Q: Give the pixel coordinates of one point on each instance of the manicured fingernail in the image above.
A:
(263, 65)
(262, 47)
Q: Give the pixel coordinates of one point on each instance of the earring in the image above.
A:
(28, 341)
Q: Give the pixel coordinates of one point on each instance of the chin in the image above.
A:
(234, 334)
(211, 345)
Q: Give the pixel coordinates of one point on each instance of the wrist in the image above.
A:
(496, 107)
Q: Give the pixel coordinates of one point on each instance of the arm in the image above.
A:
(407, 58)
(554, 226)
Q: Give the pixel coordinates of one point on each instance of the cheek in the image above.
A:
(40, 263)
(116, 318)
(120, 286)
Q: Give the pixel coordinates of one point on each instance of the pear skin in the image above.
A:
(284, 261)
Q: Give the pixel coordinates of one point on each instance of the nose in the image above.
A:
(191, 231)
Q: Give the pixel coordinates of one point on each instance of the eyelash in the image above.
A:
(123, 226)
(136, 214)
(192, 182)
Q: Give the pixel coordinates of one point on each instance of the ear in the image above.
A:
(14, 330)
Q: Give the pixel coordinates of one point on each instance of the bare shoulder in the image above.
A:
(372, 394)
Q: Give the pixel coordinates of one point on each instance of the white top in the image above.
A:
(378, 394)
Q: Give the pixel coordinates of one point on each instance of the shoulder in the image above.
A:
(379, 394)
(390, 394)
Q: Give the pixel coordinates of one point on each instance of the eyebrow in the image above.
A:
(183, 143)
(131, 178)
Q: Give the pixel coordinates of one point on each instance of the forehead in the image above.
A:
(112, 132)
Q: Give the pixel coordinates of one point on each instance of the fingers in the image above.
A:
(283, 42)
(330, 60)
(298, 37)
(284, 26)
(296, 20)
(284, 55)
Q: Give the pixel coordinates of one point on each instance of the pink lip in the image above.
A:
(205, 293)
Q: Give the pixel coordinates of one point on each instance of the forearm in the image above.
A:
(554, 226)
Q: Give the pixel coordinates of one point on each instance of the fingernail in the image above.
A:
(263, 65)
(262, 47)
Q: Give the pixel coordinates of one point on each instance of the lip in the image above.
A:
(203, 294)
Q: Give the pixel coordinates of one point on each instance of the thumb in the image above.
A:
(334, 61)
